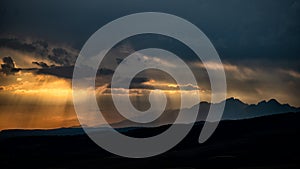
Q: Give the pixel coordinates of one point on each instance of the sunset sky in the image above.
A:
(40, 41)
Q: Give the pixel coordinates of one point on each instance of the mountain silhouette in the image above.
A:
(236, 109)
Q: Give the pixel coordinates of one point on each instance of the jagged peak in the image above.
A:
(232, 99)
(262, 102)
(273, 101)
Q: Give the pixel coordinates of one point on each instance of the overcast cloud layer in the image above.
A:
(258, 41)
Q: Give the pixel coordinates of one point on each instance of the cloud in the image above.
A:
(8, 62)
(67, 72)
(216, 66)
(8, 66)
(16, 44)
(291, 73)
(248, 30)
(51, 59)
(41, 64)
(59, 54)
(163, 85)
(62, 57)
(58, 71)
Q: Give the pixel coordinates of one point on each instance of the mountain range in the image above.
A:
(234, 109)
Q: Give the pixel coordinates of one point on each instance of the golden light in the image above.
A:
(36, 101)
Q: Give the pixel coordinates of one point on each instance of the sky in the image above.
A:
(258, 43)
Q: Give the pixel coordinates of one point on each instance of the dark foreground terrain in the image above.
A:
(264, 142)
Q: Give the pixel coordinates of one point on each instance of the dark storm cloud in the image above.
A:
(62, 57)
(8, 67)
(260, 38)
(240, 30)
(58, 55)
(38, 47)
(104, 71)
(67, 71)
(17, 45)
(59, 71)
(8, 62)
(137, 83)
(41, 64)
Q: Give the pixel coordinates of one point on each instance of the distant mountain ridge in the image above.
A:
(236, 109)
